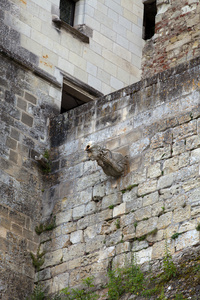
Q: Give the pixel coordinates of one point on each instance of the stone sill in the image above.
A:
(76, 33)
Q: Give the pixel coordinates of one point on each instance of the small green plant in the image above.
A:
(117, 223)
(46, 167)
(162, 295)
(163, 155)
(115, 284)
(38, 259)
(46, 227)
(111, 206)
(81, 294)
(128, 279)
(179, 297)
(75, 294)
(175, 235)
(153, 232)
(163, 208)
(198, 227)
(38, 293)
(135, 224)
(129, 188)
(168, 266)
(142, 238)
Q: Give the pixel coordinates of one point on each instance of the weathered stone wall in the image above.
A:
(25, 110)
(102, 219)
(176, 38)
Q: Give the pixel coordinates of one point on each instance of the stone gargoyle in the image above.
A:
(112, 163)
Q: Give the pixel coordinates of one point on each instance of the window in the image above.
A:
(150, 11)
(67, 10)
(76, 93)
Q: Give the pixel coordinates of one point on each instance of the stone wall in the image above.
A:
(176, 38)
(25, 108)
(103, 220)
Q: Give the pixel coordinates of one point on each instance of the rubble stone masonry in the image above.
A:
(176, 38)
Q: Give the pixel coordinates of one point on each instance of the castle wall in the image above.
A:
(24, 118)
(176, 37)
(101, 219)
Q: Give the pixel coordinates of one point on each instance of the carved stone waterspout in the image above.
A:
(112, 163)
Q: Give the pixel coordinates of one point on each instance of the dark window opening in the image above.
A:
(67, 9)
(69, 102)
(150, 11)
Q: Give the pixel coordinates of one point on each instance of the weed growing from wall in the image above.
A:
(38, 259)
(125, 280)
(168, 266)
(198, 227)
(46, 227)
(38, 293)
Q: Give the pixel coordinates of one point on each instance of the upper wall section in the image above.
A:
(103, 49)
(176, 38)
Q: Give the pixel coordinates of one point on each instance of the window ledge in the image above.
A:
(76, 33)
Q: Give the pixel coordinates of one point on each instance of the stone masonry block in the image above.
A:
(123, 247)
(195, 156)
(53, 258)
(78, 212)
(112, 199)
(119, 210)
(170, 165)
(11, 143)
(147, 187)
(130, 195)
(30, 98)
(150, 199)
(13, 156)
(165, 181)
(143, 213)
(22, 104)
(16, 229)
(105, 253)
(182, 214)
(76, 237)
(154, 170)
(146, 226)
(17, 218)
(15, 134)
(90, 207)
(187, 239)
(64, 217)
(164, 220)
(27, 119)
(91, 231)
(60, 282)
(144, 255)
(74, 251)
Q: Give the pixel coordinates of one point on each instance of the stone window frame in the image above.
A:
(81, 32)
(78, 90)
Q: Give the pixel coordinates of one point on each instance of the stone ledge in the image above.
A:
(75, 32)
(28, 65)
